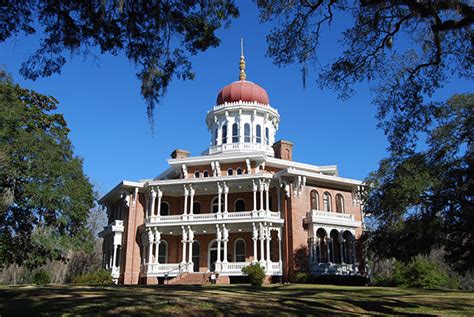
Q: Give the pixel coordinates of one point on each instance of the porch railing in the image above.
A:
(214, 216)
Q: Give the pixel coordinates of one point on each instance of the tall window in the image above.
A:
(339, 203)
(247, 133)
(239, 250)
(239, 171)
(327, 201)
(205, 174)
(164, 209)
(215, 205)
(239, 205)
(230, 172)
(163, 252)
(259, 134)
(314, 200)
(224, 134)
(235, 133)
(216, 136)
(196, 174)
(196, 207)
(267, 136)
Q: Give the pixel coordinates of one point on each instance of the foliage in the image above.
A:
(46, 213)
(101, 276)
(425, 199)
(301, 277)
(255, 273)
(41, 277)
(422, 273)
(157, 36)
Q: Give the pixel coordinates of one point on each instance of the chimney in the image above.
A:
(283, 150)
(178, 154)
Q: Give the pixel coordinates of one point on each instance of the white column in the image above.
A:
(225, 239)
(279, 196)
(219, 198)
(262, 246)
(354, 257)
(219, 134)
(268, 239)
(328, 247)
(157, 245)
(341, 247)
(152, 203)
(150, 248)
(191, 194)
(261, 194)
(114, 257)
(160, 194)
(190, 257)
(267, 195)
(254, 238)
(186, 193)
(183, 241)
(254, 195)
(226, 193)
(280, 260)
(219, 240)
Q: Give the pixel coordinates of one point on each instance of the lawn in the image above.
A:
(295, 299)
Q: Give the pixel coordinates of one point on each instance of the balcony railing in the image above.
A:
(214, 217)
(229, 268)
(240, 146)
(331, 218)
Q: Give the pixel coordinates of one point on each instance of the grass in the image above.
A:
(213, 300)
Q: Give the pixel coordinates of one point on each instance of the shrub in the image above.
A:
(41, 277)
(420, 272)
(255, 273)
(301, 277)
(98, 277)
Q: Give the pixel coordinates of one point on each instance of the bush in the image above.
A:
(41, 277)
(255, 273)
(301, 277)
(98, 277)
(420, 272)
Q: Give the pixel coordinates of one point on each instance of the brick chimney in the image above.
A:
(283, 150)
(177, 154)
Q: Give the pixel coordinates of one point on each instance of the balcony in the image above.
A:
(215, 218)
(331, 218)
(226, 269)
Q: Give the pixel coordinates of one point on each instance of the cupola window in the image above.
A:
(235, 133)
(259, 134)
(247, 133)
(224, 134)
(267, 136)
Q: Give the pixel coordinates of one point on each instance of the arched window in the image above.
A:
(216, 136)
(196, 255)
(235, 133)
(259, 133)
(224, 134)
(239, 171)
(164, 209)
(335, 250)
(314, 200)
(270, 202)
(247, 132)
(163, 252)
(267, 136)
(230, 172)
(205, 174)
(215, 205)
(196, 174)
(327, 201)
(339, 203)
(240, 205)
(196, 207)
(239, 250)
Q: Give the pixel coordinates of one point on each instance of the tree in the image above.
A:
(425, 200)
(407, 50)
(157, 36)
(49, 197)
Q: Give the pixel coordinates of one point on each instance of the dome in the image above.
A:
(243, 90)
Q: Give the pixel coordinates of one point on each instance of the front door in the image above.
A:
(196, 254)
(212, 260)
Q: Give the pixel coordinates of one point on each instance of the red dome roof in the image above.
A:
(243, 90)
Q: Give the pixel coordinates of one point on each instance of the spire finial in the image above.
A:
(242, 75)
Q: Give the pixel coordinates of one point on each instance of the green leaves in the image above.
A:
(45, 195)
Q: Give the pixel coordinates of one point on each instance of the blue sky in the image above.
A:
(101, 102)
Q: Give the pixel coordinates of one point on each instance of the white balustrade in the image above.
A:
(232, 216)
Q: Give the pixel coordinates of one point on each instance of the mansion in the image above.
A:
(242, 201)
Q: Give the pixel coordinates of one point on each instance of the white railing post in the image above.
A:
(254, 238)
